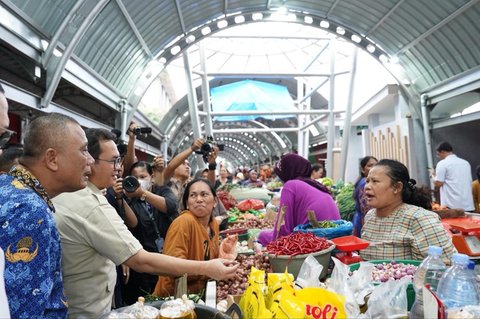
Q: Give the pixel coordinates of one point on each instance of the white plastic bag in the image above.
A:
(309, 273)
(338, 283)
(360, 282)
(389, 300)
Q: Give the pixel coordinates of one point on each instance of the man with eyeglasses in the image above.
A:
(95, 239)
(55, 160)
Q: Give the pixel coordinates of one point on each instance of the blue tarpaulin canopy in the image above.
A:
(251, 95)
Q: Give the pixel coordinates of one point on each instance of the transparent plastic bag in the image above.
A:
(178, 309)
(339, 283)
(309, 273)
(389, 300)
(137, 310)
(360, 282)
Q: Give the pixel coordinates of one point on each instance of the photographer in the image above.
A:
(133, 131)
(155, 208)
(177, 173)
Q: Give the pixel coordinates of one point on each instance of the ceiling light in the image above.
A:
(324, 24)
(222, 24)
(257, 16)
(239, 19)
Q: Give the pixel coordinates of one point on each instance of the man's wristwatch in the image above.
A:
(144, 196)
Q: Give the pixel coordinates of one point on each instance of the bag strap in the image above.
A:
(152, 218)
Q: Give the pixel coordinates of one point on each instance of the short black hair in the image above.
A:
(186, 191)
(144, 164)
(444, 147)
(94, 137)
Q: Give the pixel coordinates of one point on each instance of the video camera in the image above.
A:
(142, 130)
(207, 148)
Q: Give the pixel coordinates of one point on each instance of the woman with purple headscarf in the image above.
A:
(299, 194)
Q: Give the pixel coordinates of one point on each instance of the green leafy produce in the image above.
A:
(327, 181)
(327, 224)
(345, 201)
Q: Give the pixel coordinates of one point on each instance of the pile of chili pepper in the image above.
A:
(297, 244)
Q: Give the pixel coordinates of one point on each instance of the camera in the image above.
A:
(208, 146)
(142, 130)
(130, 184)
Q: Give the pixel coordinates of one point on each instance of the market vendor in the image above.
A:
(193, 235)
(400, 225)
(299, 194)
(253, 180)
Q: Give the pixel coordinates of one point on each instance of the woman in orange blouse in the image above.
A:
(193, 235)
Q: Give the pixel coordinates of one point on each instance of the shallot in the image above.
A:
(392, 271)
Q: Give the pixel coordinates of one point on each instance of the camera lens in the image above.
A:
(142, 130)
(130, 184)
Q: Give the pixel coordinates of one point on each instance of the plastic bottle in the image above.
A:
(428, 272)
(458, 287)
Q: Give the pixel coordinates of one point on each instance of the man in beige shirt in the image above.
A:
(94, 239)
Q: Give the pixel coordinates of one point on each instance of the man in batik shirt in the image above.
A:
(55, 160)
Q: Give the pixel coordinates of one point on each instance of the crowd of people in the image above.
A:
(86, 227)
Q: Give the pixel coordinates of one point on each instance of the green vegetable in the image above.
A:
(327, 181)
(346, 202)
(327, 224)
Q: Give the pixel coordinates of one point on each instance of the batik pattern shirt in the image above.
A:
(30, 240)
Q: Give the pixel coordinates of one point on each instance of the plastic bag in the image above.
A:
(137, 310)
(322, 304)
(338, 283)
(228, 247)
(178, 309)
(252, 302)
(281, 299)
(277, 282)
(344, 228)
(250, 203)
(309, 273)
(360, 282)
(389, 300)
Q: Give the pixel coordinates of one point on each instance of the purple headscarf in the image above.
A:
(293, 166)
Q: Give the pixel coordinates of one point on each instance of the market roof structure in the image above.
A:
(109, 52)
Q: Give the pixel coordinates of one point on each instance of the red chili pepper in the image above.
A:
(297, 244)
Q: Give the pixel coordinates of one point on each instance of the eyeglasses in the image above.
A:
(5, 137)
(117, 161)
